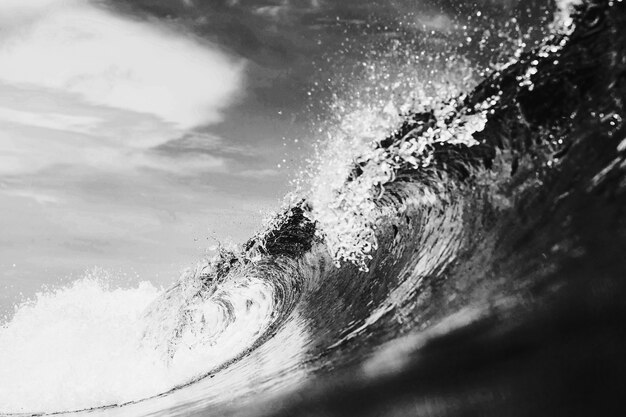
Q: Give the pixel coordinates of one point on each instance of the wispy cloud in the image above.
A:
(81, 85)
(259, 173)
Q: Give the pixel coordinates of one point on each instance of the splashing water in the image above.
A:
(78, 347)
(219, 319)
(347, 211)
(563, 20)
(88, 345)
(397, 83)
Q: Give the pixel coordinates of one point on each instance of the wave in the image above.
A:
(476, 232)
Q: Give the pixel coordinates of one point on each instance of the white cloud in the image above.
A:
(80, 85)
(118, 62)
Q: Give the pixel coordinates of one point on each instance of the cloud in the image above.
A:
(120, 63)
(39, 197)
(81, 85)
(438, 22)
(259, 173)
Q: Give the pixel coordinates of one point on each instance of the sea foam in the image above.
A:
(85, 345)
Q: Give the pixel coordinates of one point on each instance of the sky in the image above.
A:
(135, 134)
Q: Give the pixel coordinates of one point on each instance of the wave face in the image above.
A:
(469, 259)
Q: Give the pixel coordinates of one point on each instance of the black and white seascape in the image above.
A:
(379, 208)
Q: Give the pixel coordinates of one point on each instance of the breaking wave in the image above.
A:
(438, 201)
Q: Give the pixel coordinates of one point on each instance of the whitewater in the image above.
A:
(454, 247)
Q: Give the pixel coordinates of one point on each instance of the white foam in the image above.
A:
(77, 347)
(83, 346)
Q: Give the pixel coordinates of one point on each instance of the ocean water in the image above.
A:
(455, 250)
